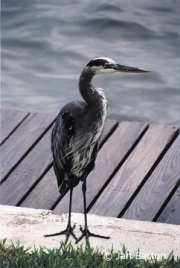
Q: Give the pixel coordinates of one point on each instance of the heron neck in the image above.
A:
(95, 99)
(86, 88)
(87, 91)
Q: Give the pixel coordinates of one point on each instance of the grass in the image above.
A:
(16, 256)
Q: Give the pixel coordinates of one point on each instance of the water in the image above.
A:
(45, 45)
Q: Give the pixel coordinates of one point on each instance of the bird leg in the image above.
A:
(69, 229)
(85, 232)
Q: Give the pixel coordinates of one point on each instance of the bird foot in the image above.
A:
(67, 232)
(86, 233)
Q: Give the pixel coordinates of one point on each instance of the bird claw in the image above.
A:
(86, 233)
(68, 231)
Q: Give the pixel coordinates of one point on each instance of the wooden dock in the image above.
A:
(136, 176)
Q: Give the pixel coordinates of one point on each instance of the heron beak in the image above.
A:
(126, 69)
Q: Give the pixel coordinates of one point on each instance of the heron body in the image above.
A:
(75, 140)
(76, 134)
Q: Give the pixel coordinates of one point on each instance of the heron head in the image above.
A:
(103, 65)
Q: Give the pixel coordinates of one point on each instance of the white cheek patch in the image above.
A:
(100, 70)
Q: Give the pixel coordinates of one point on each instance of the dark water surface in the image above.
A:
(45, 45)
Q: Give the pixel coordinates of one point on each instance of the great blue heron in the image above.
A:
(76, 133)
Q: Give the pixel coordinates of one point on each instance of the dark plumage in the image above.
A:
(73, 154)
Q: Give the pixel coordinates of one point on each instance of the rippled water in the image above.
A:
(45, 45)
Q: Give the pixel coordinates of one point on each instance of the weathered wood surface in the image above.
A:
(136, 174)
(157, 188)
(26, 174)
(133, 172)
(22, 140)
(10, 120)
(171, 212)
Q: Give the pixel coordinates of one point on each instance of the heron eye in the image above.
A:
(106, 65)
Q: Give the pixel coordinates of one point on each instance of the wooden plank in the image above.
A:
(171, 213)
(132, 173)
(22, 139)
(10, 119)
(21, 180)
(110, 156)
(110, 126)
(46, 192)
(158, 187)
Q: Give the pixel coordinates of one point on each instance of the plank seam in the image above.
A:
(166, 201)
(159, 158)
(27, 152)
(12, 131)
(109, 134)
(117, 168)
(58, 200)
(34, 185)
